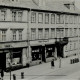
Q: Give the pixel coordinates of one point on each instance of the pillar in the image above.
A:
(24, 57)
(55, 53)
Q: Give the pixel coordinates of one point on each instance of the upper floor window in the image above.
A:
(40, 33)
(70, 19)
(47, 18)
(19, 16)
(52, 33)
(67, 19)
(46, 33)
(14, 34)
(33, 33)
(33, 17)
(20, 34)
(52, 18)
(13, 16)
(66, 32)
(75, 32)
(3, 35)
(40, 17)
(58, 18)
(61, 18)
(3, 15)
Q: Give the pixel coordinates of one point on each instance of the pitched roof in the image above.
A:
(51, 5)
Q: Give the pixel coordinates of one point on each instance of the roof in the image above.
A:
(51, 5)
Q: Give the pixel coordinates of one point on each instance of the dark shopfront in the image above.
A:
(14, 56)
(50, 49)
(36, 53)
(11, 56)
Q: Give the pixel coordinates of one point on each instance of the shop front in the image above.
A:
(49, 52)
(36, 55)
(14, 58)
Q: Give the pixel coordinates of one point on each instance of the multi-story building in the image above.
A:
(30, 28)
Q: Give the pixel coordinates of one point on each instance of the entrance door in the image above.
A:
(43, 54)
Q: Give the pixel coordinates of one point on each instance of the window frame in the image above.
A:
(46, 18)
(39, 20)
(33, 17)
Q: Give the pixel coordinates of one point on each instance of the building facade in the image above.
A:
(29, 30)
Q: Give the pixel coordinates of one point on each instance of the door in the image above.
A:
(43, 54)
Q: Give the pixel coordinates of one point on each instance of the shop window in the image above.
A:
(52, 18)
(33, 34)
(33, 17)
(3, 15)
(40, 33)
(36, 54)
(47, 18)
(40, 18)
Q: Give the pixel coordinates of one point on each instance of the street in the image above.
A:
(45, 72)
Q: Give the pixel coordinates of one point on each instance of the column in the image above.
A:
(55, 53)
(29, 54)
(24, 56)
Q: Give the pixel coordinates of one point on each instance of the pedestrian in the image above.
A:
(52, 63)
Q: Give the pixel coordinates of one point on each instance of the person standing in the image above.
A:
(52, 63)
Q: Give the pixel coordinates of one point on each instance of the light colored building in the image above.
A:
(30, 28)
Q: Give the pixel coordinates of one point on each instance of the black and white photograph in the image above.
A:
(39, 39)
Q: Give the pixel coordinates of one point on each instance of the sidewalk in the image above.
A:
(40, 70)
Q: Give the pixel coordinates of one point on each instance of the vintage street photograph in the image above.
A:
(39, 39)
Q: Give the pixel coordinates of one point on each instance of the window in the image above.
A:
(47, 18)
(33, 34)
(75, 19)
(66, 19)
(20, 34)
(71, 19)
(40, 17)
(70, 32)
(46, 33)
(58, 18)
(33, 17)
(52, 18)
(3, 15)
(3, 35)
(58, 33)
(52, 33)
(14, 34)
(75, 32)
(66, 32)
(61, 18)
(13, 16)
(19, 16)
(62, 33)
(40, 33)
